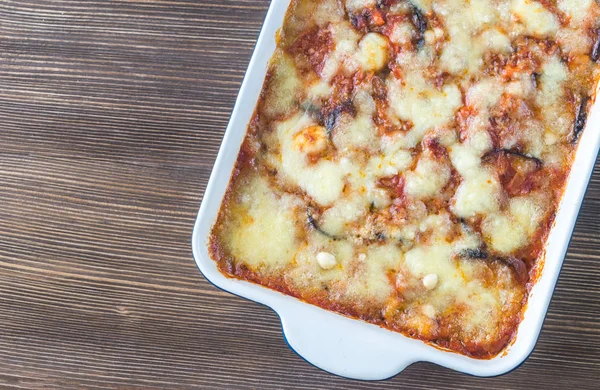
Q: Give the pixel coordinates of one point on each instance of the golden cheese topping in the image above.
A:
(406, 159)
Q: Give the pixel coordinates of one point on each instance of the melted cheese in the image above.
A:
(342, 59)
(428, 178)
(495, 40)
(464, 20)
(423, 5)
(528, 211)
(537, 20)
(482, 96)
(326, 12)
(550, 95)
(423, 105)
(373, 281)
(324, 180)
(343, 212)
(439, 226)
(402, 33)
(576, 9)
(456, 285)
(319, 90)
(503, 233)
(357, 5)
(389, 164)
(263, 216)
(373, 52)
(357, 131)
(284, 88)
(479, 193)
(307, 270)
(510, 230)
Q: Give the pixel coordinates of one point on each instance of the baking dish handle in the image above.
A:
(342, 346)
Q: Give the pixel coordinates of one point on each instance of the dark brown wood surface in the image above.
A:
(111, 115)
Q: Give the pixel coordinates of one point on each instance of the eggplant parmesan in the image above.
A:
(406, 159)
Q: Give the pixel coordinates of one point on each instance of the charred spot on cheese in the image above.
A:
(407, 158)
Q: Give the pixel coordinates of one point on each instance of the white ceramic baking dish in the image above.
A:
(349, 347)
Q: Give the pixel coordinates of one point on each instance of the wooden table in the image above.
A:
(111, 114)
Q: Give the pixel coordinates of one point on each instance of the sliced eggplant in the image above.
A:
(478, 253)
(595, 55)
(325, 116)
(379, 87)
(519, 268)
(358, 21)
(330, 118)
(380, 236)
(420, 23)
(516, 265)
(384, 3)
(375, 236)
(370, 19)
(535, 79)
(312, 221)
(312, 109)
(580, 119)
(489, 156)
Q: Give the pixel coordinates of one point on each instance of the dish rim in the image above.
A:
(327, 339)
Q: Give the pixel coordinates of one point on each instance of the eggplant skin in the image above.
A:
(519, 268)
(595, 55)
(310, 219)
(511, 152)
(517, 265)
(478, 253)
(330, 119)
(580, 118)
(420, 22)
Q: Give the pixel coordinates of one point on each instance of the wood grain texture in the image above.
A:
(111, 115)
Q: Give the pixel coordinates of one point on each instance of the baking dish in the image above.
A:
(349, 347)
